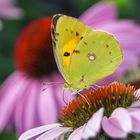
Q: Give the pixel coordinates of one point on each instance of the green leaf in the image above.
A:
(7, 136)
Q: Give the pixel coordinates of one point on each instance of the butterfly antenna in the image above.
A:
(64, 97)
(47, 87)
(83, 98)
(50, 84)
(53, 83)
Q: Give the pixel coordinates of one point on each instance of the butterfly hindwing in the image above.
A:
(66, 34)
(98, 56)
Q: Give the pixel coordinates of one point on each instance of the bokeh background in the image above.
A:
(34, 9)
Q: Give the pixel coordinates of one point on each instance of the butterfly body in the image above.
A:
(83, 55)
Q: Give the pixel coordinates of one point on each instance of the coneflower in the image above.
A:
(109, 111)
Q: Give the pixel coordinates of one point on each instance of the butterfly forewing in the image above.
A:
(66, 34)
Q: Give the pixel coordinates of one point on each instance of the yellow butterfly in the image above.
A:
(83, 55)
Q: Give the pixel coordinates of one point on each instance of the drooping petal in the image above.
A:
(54, 133)
(110, 128)
(100, 12)
(135, 115)
(36, 131)
(119, 124)
(26, 115)
(120, 114)
(135, 104)
(53, 93)
(77, 133)
(9, 93)
(47, 106)
(93, 126)
(58, 92)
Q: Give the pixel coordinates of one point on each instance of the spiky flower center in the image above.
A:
(112, 96)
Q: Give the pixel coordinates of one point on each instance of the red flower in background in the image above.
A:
(34, 54)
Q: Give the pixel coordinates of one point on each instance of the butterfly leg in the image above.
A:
(83, 98)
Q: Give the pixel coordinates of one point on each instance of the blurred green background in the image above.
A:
(34, 9)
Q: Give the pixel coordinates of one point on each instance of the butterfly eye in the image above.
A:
(66, 54)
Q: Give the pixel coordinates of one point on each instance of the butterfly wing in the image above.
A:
(99, 55)
(66, 34)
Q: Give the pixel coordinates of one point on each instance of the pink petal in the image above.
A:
(26, 109)
(9, 93)
(120, 114)
(11, 12)
(36, 131)
(6, 2)
(127, 33)
(100, 12)
(54, 97)
(131, 109)
(77, 133)
(54, 133)
(110, 128)
(136, 125)
(47, 107)
(118, 26)
(135, 115)
(135, 104)
(58, 91)
(93, 126)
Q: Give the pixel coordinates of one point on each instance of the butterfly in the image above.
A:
(83, 55)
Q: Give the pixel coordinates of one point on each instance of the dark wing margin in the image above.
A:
(53, 28)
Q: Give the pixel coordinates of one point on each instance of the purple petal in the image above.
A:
(118, 26)
(54, 133)
(135, 104)
(100, 12)
(120, 114)
(47, 107)
(58, 91)
(93, 125)
(6, 2)
(110, 126)
(11, 12)
(131, 109)
(127, 33)
(77, 133)
(9, 93)
(36, 131)
(54, 96)
(135, 116)
(136, 125)
(26, 109)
